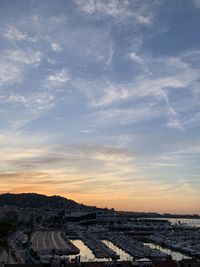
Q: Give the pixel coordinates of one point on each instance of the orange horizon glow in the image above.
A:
(125, 204)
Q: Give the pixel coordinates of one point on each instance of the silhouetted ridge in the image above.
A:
(34, 200)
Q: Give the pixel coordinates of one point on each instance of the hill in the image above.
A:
(33, 200)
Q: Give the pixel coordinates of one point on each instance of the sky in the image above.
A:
(100, 102)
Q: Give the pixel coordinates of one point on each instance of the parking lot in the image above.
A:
(48, 240)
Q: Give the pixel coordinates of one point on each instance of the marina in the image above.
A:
(111, 238)
(99, 249)
(98, 243)
(181, 239)
(136, 248)
(122, 254)
(189, 222)
(85, 253)
(174, 254)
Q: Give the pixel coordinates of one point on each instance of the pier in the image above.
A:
(99, 249)
(136, 248)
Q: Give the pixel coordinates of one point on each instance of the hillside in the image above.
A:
(34, 200)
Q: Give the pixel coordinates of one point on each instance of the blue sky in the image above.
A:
(100, 101)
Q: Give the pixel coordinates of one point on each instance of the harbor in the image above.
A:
(186, 241)
(106, 237)
(173, 254)
(130, 240)
(122, 254)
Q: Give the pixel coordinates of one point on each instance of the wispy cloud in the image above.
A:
(118, 9)
(37, 101)
(136, 58)
(56, 47)
(65, 163)
(59, 77)
(20, 33)
(13, 34)
(24, 56)
(9, 73)
(102, 93)
(153, 86)
(14, 63)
